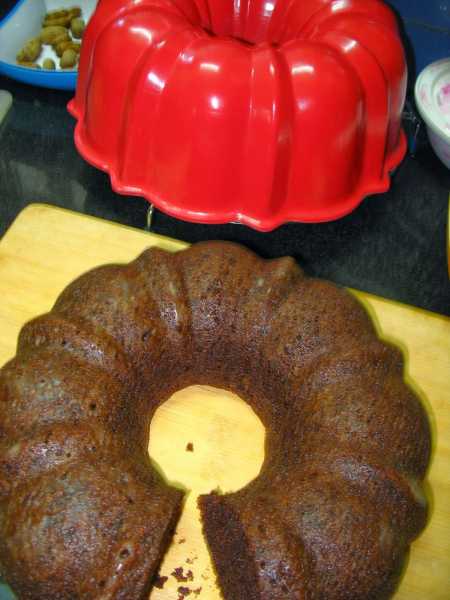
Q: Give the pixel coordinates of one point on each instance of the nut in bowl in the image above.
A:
(40, 41)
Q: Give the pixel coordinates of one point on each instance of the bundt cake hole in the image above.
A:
(223, 459)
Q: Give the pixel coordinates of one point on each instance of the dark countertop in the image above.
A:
(393, 245)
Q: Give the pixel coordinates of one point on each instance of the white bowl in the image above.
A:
(433, 102)
(23, 22)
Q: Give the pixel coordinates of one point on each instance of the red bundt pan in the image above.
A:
(257, 111)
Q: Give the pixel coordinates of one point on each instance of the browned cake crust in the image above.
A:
(83, 515)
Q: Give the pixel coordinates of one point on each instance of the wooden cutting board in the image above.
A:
(47, 247)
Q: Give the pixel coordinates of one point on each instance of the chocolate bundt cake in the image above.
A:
(83, 515)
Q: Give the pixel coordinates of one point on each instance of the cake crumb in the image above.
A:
(190, 561)
(183, 591)
(182, 541)
(160, 581)
(179, 575)
(190, 447)
(197, 591)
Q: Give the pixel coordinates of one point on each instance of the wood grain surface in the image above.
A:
(47, 247)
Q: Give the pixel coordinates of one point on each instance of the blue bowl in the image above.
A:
(23, 22)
